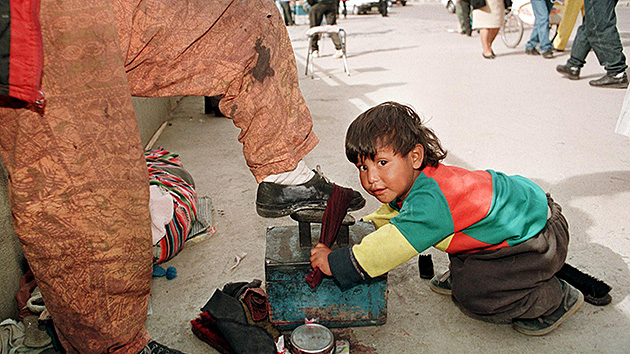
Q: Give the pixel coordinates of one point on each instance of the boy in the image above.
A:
(505, 238)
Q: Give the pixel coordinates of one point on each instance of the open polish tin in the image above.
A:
(312, 338)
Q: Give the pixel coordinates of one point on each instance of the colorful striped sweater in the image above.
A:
(451, 208)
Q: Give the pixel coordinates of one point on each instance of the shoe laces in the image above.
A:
(318, 170)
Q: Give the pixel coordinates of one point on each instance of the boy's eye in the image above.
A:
(382, 162)
(362, 168)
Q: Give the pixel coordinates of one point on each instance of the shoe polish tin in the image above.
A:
(312, 338)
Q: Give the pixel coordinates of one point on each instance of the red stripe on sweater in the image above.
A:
(468, 193)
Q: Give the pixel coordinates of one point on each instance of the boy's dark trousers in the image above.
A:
(513, 282)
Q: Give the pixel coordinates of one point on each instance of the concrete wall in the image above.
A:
(151, 113)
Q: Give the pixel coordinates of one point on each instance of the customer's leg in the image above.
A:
(79, 184)
(241, 51)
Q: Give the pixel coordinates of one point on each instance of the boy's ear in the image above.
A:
(417, 156)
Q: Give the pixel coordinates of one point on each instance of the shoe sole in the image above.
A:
(267, 212)
(570, 76)
(621, 86)
(441, 291)
(578, 304)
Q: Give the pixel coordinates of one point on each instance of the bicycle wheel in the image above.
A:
(512, 30)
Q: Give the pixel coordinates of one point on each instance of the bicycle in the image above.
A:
(521, 14)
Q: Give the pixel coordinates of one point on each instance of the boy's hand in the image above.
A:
(319, 258)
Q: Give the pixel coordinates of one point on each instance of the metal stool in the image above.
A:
(327, 29)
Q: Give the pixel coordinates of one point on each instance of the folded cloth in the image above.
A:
(224, 318)
(206, 329)
(256, 301)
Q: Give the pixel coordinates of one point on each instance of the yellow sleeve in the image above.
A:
(381, 216)
(383, 250)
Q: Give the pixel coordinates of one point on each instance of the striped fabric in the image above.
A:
(184, 203)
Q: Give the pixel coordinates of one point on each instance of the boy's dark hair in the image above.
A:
(395, 125)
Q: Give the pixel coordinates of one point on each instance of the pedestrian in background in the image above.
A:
(463, 10)
(598, 32)
(287, 14)
(345, 9)
(382, 7)
(540, 33)
(319, 9)
(488, 18)
(565, 28)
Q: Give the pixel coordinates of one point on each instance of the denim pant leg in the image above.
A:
(540, 33)
(581, 47)
(604, 36)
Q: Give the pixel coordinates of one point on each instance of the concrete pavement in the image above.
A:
(513, 114)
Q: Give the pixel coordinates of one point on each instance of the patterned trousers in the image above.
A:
(78, 181)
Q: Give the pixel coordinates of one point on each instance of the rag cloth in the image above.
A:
(336, 209)
(225, 321)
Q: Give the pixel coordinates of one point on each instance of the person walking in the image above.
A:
(287, 14)
(599, 33)
(540, 33)
(463, 10)
(488, 18)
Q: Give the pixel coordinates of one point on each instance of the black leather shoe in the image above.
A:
(275, 200)
(548, 54)
(532, 51)
(572, 72)
(612, 81)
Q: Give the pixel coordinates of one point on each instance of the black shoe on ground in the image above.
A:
(612, 81)
(154, 347)
(548, 54)
(572, 72)
(441, 284)
(532, 51)
(275, 200)
(572, 300)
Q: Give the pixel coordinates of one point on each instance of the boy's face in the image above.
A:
(390, 175)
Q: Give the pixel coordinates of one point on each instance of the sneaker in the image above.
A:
(572, 300)
(532, 51)
(572, 72)
(338, 54)
(613, 81)
(315, 53)
(548, 54)
(441, 284)
(275, 200)
(154, 347)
